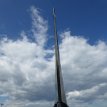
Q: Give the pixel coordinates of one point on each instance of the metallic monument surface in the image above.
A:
(61, 99)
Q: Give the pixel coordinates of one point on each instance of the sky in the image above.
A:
(27, 67)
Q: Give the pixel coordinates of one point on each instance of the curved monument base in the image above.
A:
(60, 104)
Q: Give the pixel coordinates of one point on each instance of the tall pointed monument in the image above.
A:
(61, 98)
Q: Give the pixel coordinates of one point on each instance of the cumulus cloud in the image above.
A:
(27, 74)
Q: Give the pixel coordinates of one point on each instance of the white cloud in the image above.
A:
(27, 75)
(39, 27)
